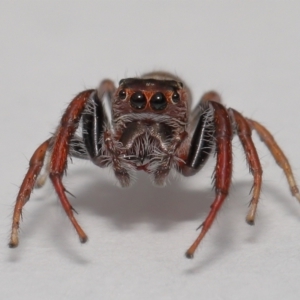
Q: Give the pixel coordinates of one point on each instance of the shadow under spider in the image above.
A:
(143, 202)
(163, 207)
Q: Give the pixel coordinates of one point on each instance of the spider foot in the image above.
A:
(189, 254)
(83, 239)
(295, 192)
(250, 221)
(250, 218)
(14, 240)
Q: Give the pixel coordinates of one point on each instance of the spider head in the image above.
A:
(148, 98)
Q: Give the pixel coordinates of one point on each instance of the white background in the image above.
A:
(247, 50)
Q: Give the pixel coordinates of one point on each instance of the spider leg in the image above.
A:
(244, 133)
(98, 137)
(88, 146)
(95, 118)
(77, 150)
(35, 165)
(223, 171)
(59, 145)
(60, 152)
(278, 155)
(198, 110)
(202, 142)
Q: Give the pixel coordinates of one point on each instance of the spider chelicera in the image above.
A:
(151, 130)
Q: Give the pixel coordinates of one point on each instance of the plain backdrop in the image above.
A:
(247, 50)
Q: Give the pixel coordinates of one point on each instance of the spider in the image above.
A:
(145, 125)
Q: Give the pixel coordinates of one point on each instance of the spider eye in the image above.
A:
(138, 100)
(122, 94)
(175, 97)
(158, 101)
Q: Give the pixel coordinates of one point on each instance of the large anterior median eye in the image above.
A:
(158, 101)
(138, 100)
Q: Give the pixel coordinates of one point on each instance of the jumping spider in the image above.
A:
(151, 130)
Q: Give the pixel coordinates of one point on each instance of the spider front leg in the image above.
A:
(59, 145)
(95, 121)
(222, 135)
(98, 137)
(58, 161)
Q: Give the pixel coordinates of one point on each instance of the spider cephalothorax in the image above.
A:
(151, 130)
(149, 121)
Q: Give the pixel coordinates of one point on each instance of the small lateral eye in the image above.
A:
(122, 94)
(138, 100)
(175, 97)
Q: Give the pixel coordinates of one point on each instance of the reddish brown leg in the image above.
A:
(60, 152)
(244, 132)
(223, 171)
(277, 153)
(35, 166)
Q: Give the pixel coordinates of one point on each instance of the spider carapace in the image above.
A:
(146, 125)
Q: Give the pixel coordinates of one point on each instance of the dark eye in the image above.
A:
(158, 101)
(122, 94)
(175, 97)
(138, 100)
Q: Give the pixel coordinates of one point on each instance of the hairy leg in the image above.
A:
(60, 153)
(278, 154)
(223, 171)
(35, 165)
(194, 157)
(244, 133)
(59, 145)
